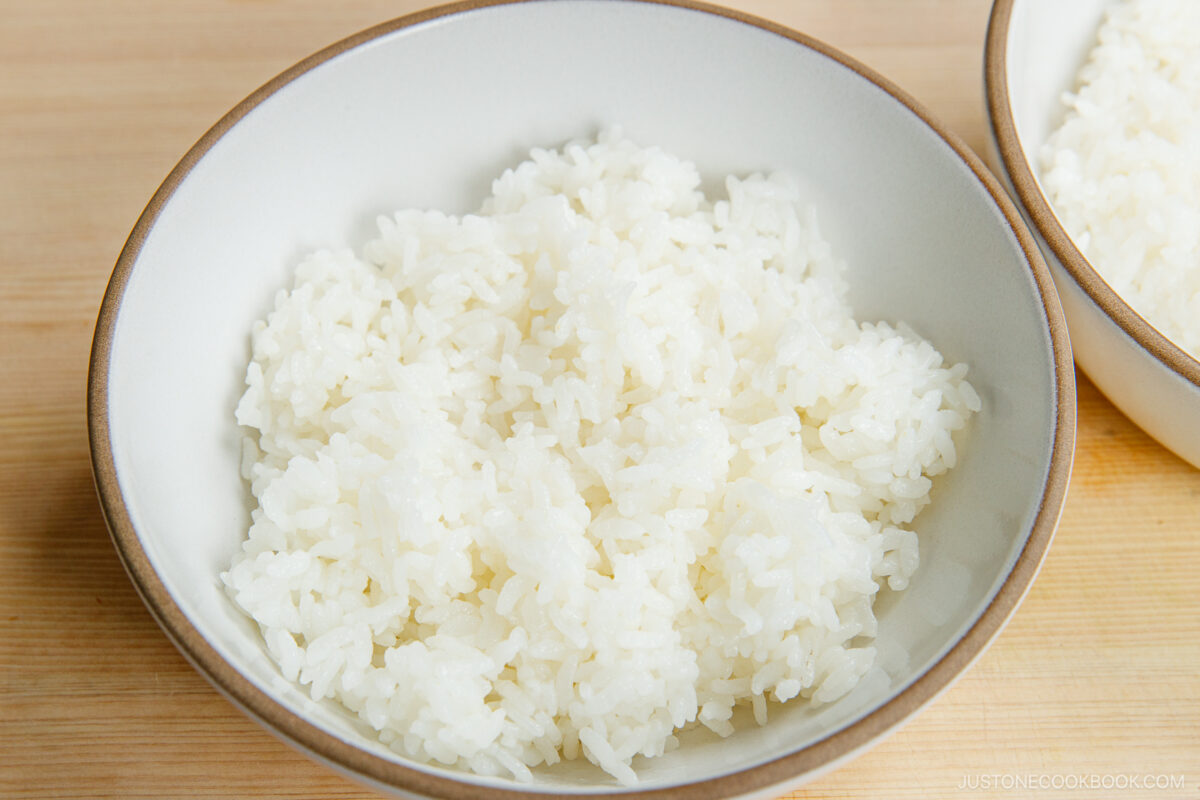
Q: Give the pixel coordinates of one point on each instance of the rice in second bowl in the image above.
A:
(596, 464)
(1123, 168)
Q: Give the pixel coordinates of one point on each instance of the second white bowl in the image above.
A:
(1034, 52)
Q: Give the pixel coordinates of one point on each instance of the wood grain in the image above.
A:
(1096, 677)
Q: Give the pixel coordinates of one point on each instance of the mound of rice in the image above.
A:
(598, 463)
(1123, 169)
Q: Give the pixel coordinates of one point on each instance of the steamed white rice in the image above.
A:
(1123, 169)
(598, 463)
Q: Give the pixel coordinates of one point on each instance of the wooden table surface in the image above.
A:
(1095, 682)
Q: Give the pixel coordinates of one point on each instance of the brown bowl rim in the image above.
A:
(1029, 193)
(386, 773)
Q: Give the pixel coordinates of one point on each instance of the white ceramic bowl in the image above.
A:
(1034, 51)
(422, 111)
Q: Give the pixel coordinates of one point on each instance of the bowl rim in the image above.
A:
(381, 772)
(1029, 193)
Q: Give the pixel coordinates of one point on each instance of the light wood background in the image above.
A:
(1096, 677)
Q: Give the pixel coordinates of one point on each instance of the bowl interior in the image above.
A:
(1046, 45)
(425, 114)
